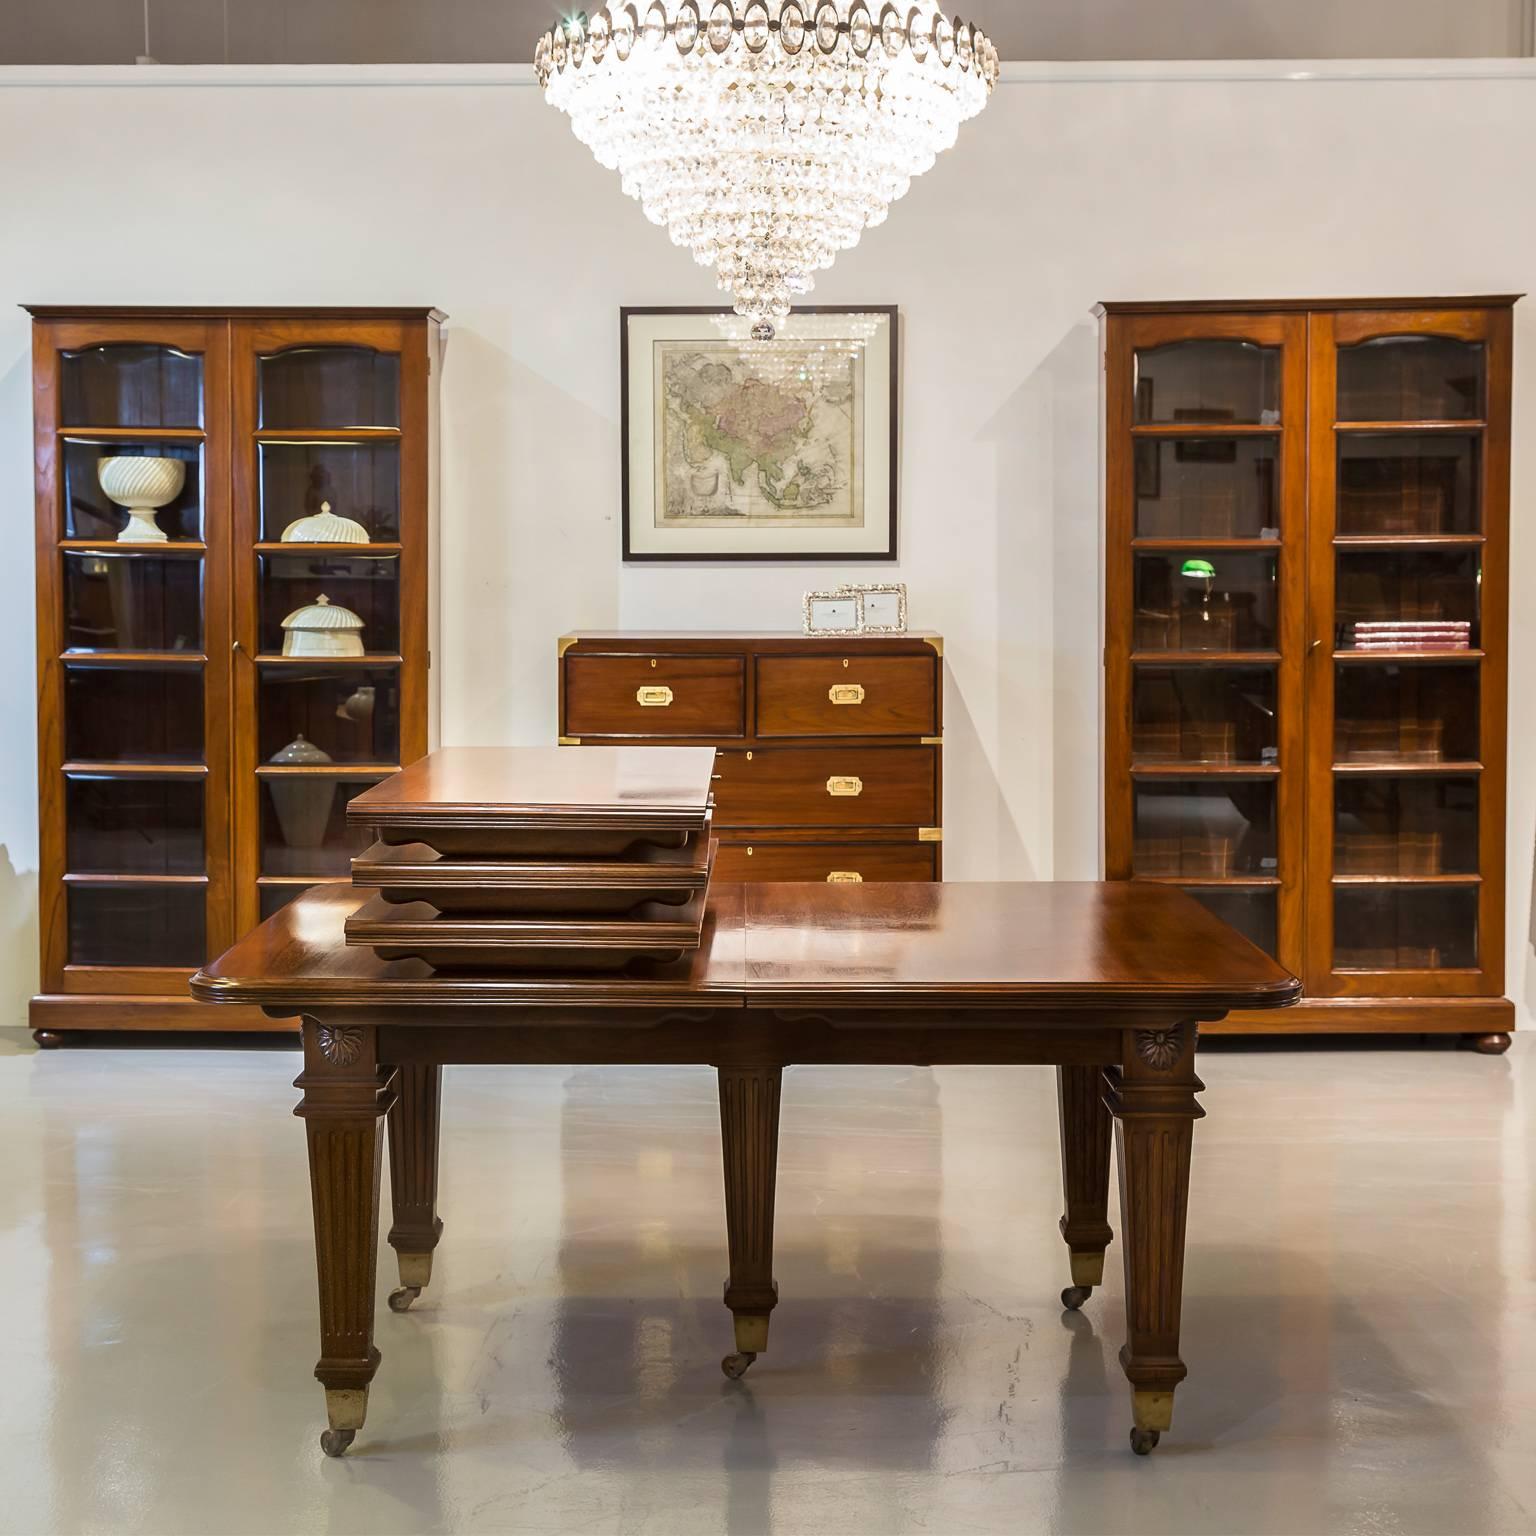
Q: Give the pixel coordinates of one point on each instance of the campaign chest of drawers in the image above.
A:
(829, 751)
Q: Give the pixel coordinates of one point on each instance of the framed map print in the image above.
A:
(737, 449)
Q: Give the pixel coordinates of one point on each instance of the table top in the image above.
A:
(628, 788)
(1037, 945)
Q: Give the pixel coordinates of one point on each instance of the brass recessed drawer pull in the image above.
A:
(845, 877)
(653, 698)
(845, 785)
(846, 693)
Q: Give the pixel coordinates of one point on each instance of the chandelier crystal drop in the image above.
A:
(766, 135)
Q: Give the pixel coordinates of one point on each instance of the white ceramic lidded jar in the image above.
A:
(323, 628)
(325, 527)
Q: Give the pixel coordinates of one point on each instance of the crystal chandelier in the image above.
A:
(766, 137)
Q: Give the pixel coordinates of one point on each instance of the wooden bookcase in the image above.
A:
(166, 828)
(1306, 634)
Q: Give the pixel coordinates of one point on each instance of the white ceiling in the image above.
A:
(500, 31)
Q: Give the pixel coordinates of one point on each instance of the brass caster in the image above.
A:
(1143, 1440)
(735, 1366)
(334, 1442)
(400, 1300)
(1075, 1295)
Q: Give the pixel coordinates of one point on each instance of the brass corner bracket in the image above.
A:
(936, 641)
(930, 834)
(569, 741)
(564, 643)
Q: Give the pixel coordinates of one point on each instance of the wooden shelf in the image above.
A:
(135, 434)
(1205, 770)
(277, 547)
(130, 770)
(305, 881)
(1407, 880)
(1408, 540)
(136, 658)
(325, 770)
(1205, 658)
(1389, 768)
(1399, 427)
(170, 547)
(1467, 653)
(1205, 429)
(1248, 882)
(371, 659)
(299, 435)
(1233, 545)
(136, 879)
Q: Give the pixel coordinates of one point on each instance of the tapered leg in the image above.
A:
(1152, 1097)
(749, 1130)
(346, 1097)
(1085, 1137)
(413, 1135)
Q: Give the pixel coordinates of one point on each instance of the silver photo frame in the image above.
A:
(838, 612)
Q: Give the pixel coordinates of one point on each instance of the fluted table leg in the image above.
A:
(346, 1097)
(413, 1139)
(749, 1130)
(1085, 1139)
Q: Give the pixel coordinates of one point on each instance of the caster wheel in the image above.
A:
(400, 1300)
(1143, 1440)
(1075, 1295)
(334, 1442)
(735, 1366)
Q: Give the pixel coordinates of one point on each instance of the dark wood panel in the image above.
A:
(656, 696)
(846, 695)
(871, 862)
(827, 787)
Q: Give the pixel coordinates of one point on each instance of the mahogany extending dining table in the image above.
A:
(1106, 982)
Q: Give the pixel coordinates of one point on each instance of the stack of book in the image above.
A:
(531, 858)
(1412, 635)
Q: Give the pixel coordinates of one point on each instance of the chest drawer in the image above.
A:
(871, 862)
(846, 696)
(827, 787)
(655, 696)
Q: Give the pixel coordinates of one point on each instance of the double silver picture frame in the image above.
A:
(877, 608)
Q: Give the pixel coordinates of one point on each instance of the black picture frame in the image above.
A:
(890, 550)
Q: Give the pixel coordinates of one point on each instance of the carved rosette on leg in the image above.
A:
(749, 1131)
(1085, 1141)
(413, 1138)
(1152, 1098)
(346, 1097)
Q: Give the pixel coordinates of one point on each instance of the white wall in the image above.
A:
(473, 195)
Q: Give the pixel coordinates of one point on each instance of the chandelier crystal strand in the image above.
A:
(766, 135)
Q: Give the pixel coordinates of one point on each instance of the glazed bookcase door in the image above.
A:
(134, 709)
(330, 493)
(1205, 603)
(1406, 682)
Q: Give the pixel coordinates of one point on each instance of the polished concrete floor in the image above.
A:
(1360, 1318)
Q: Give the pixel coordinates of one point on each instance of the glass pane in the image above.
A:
(133, 714)
(127, 924)
(304, 825)
(1404, 927)
(1411, 378)
(1396, 599)
(1405, 713)
(1207, 487)
(1423, 825)
(130, 386)
(132, 602)
(1208, 381)
(368, 585)
(1203, 715)
(1407, 483)
(330, 387)
(352, 714)
(1220, 602)
(134, 826)
(1226, 827)
(89, 513)
(275, 897)
(360, 481)
(1251, 912)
